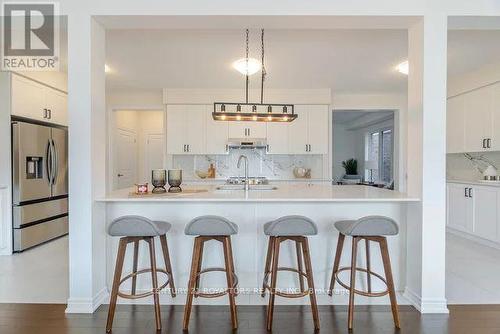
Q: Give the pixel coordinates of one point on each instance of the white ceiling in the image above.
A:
(345, 60)
(154, 55)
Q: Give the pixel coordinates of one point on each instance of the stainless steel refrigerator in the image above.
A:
(39, 184)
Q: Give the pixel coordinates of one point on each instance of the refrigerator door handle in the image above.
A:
(48, 162)
(55, 160)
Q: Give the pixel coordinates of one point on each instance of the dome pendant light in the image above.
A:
(230, 111)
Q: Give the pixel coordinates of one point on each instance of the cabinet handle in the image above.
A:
(248, 132)
(310, 149)
(267, 148)
(50, 113)
(470, 192)
(44, 113)
(306, 147)
(188, 147)
(227, 147)
(484, 143)
(488, 143)
(465, 192)
(184, 150)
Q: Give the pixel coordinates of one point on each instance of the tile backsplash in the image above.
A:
(459, 167)
(259, 164)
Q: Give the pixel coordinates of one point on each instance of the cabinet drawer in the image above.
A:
(33, 235)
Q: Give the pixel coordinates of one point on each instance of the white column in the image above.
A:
(427, 45)
(86, 104)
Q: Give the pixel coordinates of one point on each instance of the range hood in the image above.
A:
(242, 143)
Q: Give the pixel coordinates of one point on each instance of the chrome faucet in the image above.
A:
(247, 185)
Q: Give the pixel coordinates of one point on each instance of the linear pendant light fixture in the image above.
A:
(258, 112)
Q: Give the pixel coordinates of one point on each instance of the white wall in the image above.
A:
(345, 146)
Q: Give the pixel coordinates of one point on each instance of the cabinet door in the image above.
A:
(28, 98)
(318, 129)
(485, 212)
(196, 117)
(56, 103)
(238, 129)
(277, 138)
(455, 125)
(495, 115)
(176, 129)
(459, 208)
(257, 129)
(478, 120)
(217, 134)
(297, 131)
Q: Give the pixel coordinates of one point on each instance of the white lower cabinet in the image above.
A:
(473, 209)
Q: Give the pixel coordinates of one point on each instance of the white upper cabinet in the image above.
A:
(247, 129)
(308, 134)
(277, 138)
(217, 134)
(455, 125)
(38, 102)
(186, 126)
(478, 104)
(495, 119)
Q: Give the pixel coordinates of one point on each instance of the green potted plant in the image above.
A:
(351, 169)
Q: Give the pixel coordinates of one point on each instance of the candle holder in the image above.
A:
(159, 180)
(174, 180)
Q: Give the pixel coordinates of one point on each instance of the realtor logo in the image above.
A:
(30, 37)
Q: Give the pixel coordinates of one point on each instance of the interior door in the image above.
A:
(60, 143)
(318, 129)
(297, 131)
(478, 104)
(455, 125)
(126, 159)
(30, 144)
(154, 153)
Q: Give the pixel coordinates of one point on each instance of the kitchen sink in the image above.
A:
(242, 187)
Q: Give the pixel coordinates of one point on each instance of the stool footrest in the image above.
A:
(360, 292)
(286, 294)
(214, 294)
(145, 294)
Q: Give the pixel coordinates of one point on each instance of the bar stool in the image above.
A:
(134, 229)
(294, 228)
(207, 228)
(370, 228)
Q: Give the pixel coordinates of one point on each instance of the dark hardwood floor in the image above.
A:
(51, 319)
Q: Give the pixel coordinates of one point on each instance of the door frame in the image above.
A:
(111, 126)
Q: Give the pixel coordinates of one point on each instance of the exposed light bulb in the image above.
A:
(107, 69)
(223, 117)
(241, 66)
(269, 118)
(403, 67)
(238, 118)
(285, 118)
(254, 118)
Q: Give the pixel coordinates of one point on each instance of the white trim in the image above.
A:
(85, 305)
(426, 305)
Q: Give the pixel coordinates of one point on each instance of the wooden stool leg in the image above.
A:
(390, 282)
(198, 269)
(336, 262)
(231, 258)
(134, 266)
(274, 277)
(120, 256)
(299, 265)
(310, 282)
(267, 269)
(368, 266)
(168, 265)
(353, 281)
(230, 282)
(154, 278)
(198, 244)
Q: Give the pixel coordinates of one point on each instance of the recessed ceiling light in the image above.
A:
(241, 66)
(107, 69)
(403, 67)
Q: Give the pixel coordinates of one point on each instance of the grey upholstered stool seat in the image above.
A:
(137, 226)
(210, 225)
(290, 226)
(369, 225)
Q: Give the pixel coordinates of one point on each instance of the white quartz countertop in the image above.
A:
(285, 192)
(476, 182)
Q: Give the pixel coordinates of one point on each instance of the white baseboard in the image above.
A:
(426, 305)
(87, 305)
(473, 237)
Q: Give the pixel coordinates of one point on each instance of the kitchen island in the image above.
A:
(320, 201)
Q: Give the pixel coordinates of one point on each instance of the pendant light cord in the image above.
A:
(263, 69)
(246, 73)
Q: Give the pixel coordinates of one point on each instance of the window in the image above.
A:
(378, 156)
